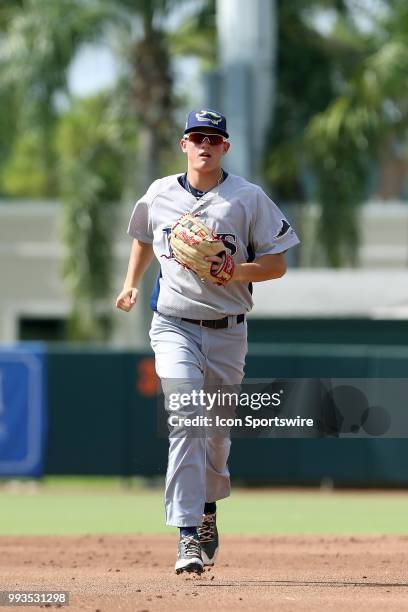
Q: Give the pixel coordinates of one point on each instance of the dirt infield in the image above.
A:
(135, 573)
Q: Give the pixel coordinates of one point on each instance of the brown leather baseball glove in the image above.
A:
(191, 240)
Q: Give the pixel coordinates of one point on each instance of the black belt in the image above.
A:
(215, 323)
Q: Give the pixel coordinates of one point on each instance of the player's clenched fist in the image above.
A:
(127, 299)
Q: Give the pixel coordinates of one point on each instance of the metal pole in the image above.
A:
(247, 49)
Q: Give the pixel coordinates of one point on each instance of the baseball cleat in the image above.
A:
(189, 556)
(208, 534)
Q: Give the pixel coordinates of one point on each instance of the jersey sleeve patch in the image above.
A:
(284, 229)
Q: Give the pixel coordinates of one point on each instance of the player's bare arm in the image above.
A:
(264, 268)
(140, 258)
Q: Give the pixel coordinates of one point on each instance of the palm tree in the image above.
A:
(345, 139)
(324, 143)
(8, 97)
(40, 42)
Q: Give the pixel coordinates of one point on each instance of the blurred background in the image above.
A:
(93, 99)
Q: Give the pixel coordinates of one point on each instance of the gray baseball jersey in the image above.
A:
(241, 214)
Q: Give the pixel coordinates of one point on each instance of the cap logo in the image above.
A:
(206, 115)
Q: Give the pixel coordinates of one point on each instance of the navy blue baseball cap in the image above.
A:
(206, 118)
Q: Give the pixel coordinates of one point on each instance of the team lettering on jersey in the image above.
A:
(229, 240)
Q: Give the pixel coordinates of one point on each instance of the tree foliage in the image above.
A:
(93, 146)
(344, 141)
(325, 141)
(8, 129)
(197, 36)
(41, 39)
(311, 68)
(25, 172)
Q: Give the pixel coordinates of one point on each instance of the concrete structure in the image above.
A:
(245, 79)
(365, 293)
(31, 255)
(383, 228)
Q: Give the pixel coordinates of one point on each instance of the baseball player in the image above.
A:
(199, 329)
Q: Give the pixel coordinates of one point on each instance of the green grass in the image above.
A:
(79, 506)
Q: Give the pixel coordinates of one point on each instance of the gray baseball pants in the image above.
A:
(197, 358)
